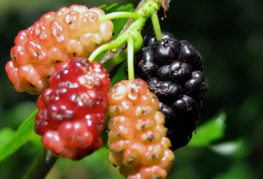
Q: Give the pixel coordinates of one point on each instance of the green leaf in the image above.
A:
(5, 134)
(209, 132)
(21, 136)
(110, 8)
(236, 148)
(114, 8)
(238, 169)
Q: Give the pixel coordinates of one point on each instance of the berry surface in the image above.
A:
(137, 134)
(72, 111)
(55, 37)
(173, 70)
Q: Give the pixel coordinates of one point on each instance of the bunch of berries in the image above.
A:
(137, 134)
(72, 111)
(55, 37)
(49, 58)
(174, 72)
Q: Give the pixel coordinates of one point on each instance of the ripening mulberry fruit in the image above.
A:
(137, 134)
(72, 111)
(55, 37)
(174, 72)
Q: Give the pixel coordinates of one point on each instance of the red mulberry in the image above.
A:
(137, 134)
(55, 37)
(72, 111)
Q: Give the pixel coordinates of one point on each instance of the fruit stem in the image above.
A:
(109, 55)
(116, 15)
(120, 40)
(130, 58)
(99, 50)
(144, 12)
(156, 25)
(40, 166)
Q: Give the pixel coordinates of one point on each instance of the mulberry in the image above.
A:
(55, 37)
(174, 72)
(137, 134)
(72, 111)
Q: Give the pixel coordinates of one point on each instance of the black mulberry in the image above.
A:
(173, 70)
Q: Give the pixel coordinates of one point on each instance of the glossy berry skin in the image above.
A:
(137, 134)
(55, 37)
(72, 111)
(173, 70)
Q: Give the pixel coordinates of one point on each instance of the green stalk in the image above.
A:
(156, 26)
(145, 11)
(130, 58)
(118, 15)
(98, 51)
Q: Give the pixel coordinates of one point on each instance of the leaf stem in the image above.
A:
(130, 58)
(156, 26)
(118, 15)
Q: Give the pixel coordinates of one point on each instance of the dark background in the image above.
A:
(229, 35)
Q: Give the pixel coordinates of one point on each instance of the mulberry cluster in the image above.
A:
(137, 134)
(72, 111)
(55, 37)
(174, 72)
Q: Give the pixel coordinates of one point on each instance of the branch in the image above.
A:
(109, 55)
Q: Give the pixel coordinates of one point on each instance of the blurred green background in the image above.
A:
(228, 33)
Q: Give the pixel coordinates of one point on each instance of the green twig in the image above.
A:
(109, 55)
(156, 26)
(130, 58)
(98, 51)
(117, 15)
(144, 12)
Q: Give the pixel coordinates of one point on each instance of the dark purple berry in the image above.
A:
(166, 110)
(164, 72)
(197, 85)
(173, 71)
(165, 90)
(149, 40)
(167, 35)
(168, 90)
(147, 68)
(152, 83)
(166, 50)
(189, 55)
(193, 86)
(180, 71)
(199, 75)
(186, 104)
(146, 65)
(148, 54)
